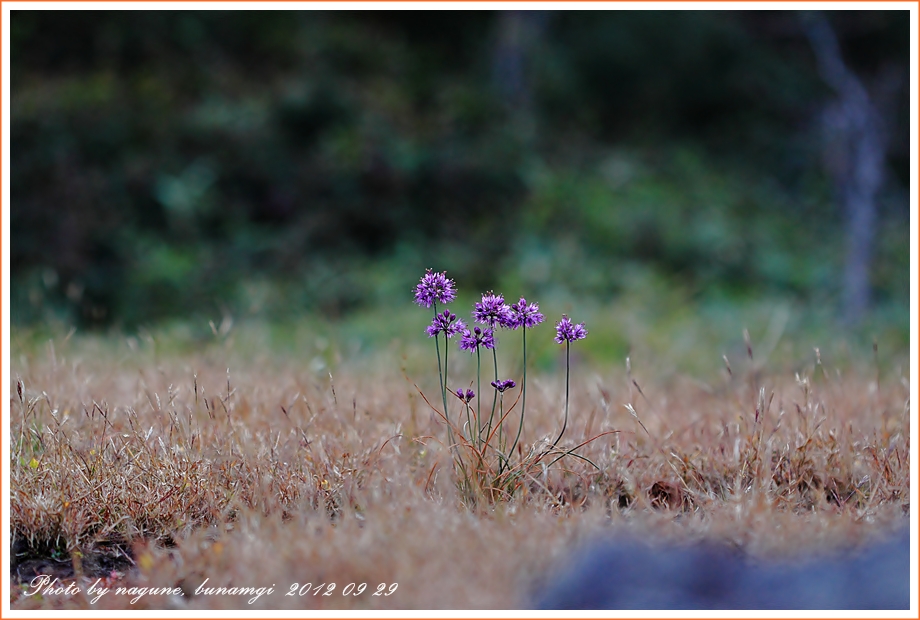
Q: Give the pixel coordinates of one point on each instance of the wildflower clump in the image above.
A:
(482, 451)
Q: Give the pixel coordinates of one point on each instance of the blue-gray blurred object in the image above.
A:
(630, 575)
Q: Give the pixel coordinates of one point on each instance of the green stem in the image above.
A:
(565, 421)
(442, 377)
(501, 414)
(446, 349)
(469, 422)
(523, 397)
(494, 398)
(478, 399)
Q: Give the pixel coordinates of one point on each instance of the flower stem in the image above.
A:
(469, 423)
(446, 350)
(523, 397)
(442, 376)
(565, 421)
(478, 400)
(494, 399)
(501, 414)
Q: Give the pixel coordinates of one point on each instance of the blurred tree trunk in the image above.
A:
(519, 33)
(856, 143)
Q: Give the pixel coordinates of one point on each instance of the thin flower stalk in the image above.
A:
(500, 387)
(465, 398)
(567, 332)
(478, 402)
(493, 312)
(433, 288)
(526, 316)
(494, 397)
(473, 341)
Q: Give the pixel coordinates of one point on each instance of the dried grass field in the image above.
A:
(136, 466)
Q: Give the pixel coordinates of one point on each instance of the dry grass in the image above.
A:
(164, 470)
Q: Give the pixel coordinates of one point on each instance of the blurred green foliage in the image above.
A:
(207, 164)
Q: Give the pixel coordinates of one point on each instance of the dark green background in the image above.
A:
(190, 165)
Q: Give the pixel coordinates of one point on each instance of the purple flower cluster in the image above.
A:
(434, 288)
(472, 340)
(465, 397)
(446, 322)
(566, 331)
(501, 386)
(523, 314)
(492, 311)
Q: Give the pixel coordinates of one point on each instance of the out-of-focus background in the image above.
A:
(657, 173)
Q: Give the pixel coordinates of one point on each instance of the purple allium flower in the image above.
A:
(524, 314)
(434, 288)
(471, 340)
(492, 311)
(501, 386)
(446, 322)
(467, 397)
(566, 331)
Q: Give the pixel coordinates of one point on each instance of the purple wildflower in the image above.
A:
(524, 315)
(446, 322)
(472, 340)
(467, 397)
(501, 386)
(566, 331)
(434, 288)
(492, 311)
